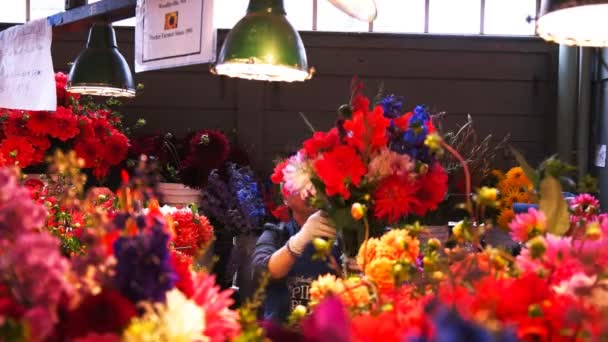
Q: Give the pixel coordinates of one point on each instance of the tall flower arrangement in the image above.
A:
(374, 163)
(95, 132)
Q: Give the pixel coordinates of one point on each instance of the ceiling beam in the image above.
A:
(81, 18)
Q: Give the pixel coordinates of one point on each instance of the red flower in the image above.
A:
(15, 124)
(65, 124)
(277, 175)
(106, 312)
(432, 188)
(359, 102)
(40, 122)
(191, 233)
(89, 151)
(281, 213)
(403, 122)
(17, 151)
(338, 169)
(181, 264)
(320, 142)
(384, 327)
(116, 148)
(101, 127)
(367, 130)
(208, 150)
(41, 144)
(394, 198)
(101, 170)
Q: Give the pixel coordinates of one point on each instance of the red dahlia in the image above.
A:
(89, 151)
(190, 233)
(432, 188)
(116, 148)
(320, 142)
(338, 169)
(181, 264)
(394, 198)
(15, 124)
(65, 124)
(40, 122)
(277, 175)
(367, 130)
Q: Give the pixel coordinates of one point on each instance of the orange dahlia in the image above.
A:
(380, 271)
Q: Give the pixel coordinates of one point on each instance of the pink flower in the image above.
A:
(527, 225)
(387, 163)
(296, 175)
(222, 323)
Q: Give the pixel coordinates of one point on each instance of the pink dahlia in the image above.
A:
(222, 323)
(527, 225)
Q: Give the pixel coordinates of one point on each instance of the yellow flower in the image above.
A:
(487, 196)
(351, 291)
(397, 244)
(357, 211)
(355, 293)
(433, 142)
(325, 286)
(505, 217)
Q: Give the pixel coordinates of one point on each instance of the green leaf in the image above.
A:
(553, 205)
(528, 170)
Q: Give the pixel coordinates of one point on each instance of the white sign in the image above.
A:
(27, 80)
(600, 156)
(172, 33)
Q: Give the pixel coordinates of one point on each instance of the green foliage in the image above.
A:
(13, 331)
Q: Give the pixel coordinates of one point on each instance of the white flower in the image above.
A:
(297, 176)
(572, 286)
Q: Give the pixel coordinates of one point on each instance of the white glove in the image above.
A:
(317, 225)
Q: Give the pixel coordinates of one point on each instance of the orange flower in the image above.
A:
(505, 217)
(516, 177)
(367, 253)
(380, 271)
(352, 292)
(399, 245)
(325, 286)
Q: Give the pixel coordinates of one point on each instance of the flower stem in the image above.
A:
(467, 175)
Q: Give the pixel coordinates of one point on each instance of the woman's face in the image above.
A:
(298, 205)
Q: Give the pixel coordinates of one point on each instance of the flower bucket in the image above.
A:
(178, 195)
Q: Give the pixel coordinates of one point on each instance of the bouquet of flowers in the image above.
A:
(130, 285)
(554, 290)
(95, 132)
(189, 160)
(374, 169)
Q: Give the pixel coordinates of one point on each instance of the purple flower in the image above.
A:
(143, 269)
(392, 106)
(18, 213)
(328, 322)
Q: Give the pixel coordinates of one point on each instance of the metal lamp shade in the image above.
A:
(364, 10)
(100, 69)
(574, 22)
(264, 46)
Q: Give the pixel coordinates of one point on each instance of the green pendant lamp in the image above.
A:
(574, 22)
(264, 46)
(100, 69)
(364, 10)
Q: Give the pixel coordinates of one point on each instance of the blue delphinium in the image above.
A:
(237, 203)
(392, 106)
(143, 269)
(411, 141)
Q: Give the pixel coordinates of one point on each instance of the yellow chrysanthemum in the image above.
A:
(517, 177)
(355, 293)
(351, 291)
(324, 286)
(505, 217)
(380, 272)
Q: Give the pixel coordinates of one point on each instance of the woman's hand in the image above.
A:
(317, 225)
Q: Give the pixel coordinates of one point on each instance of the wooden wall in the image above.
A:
(508, 85)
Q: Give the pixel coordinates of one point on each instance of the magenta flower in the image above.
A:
(528, 225)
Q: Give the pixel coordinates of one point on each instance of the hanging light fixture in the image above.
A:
(264, 46)
(364, 10)
(100, 69)
(574, 22)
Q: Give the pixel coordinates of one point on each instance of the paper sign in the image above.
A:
(600, 156)
(27, 80)
(172, 33)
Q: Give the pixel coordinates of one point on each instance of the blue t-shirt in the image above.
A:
(283, 295)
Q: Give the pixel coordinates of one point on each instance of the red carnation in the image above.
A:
(338, 169)
(320, 142)
(277, 175)
(17, 151)
(106, 312)
(394, 198)
(432, 188)
(181, 264)
(65, 125)
(116, 148)
(367, 130)
(40, 122)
